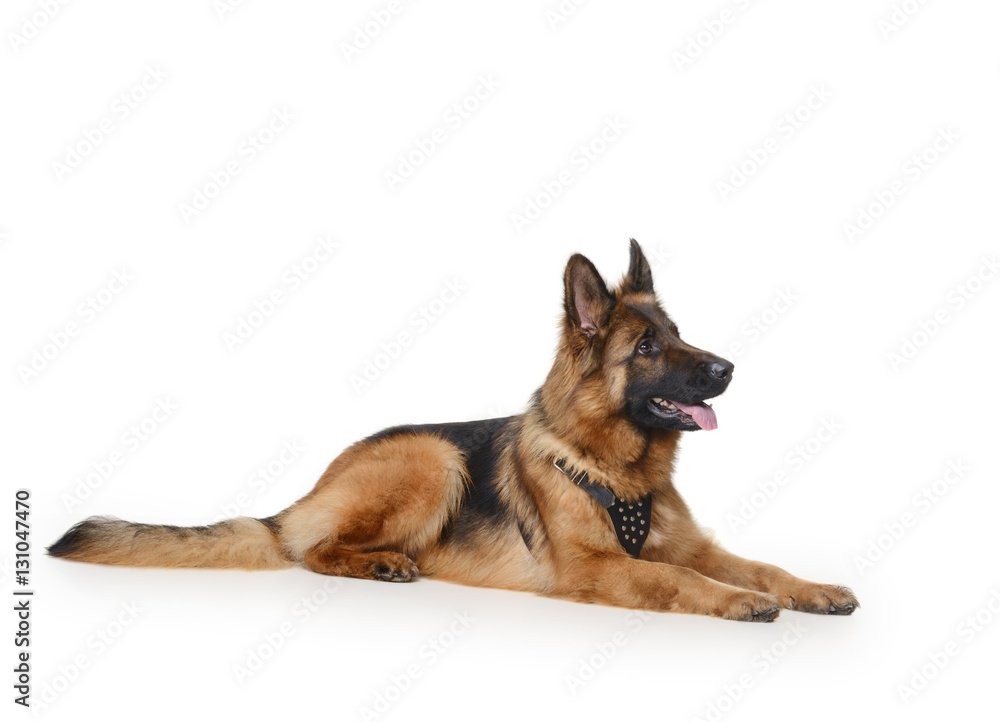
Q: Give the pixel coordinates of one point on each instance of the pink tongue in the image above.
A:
(703, 415)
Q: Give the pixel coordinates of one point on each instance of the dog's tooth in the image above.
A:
(657, 401)
(671, 407)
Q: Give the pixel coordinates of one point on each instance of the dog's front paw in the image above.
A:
(752, 607)
(821, 599)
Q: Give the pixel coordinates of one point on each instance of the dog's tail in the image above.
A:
(241, 543)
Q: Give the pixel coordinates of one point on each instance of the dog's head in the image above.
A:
(627, 354)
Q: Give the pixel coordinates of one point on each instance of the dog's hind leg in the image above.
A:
(378, 507)
(328, 558)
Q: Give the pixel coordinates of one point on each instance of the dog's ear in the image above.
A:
(639, 277)
(588, 301)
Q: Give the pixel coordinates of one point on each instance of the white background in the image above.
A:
(719, 265)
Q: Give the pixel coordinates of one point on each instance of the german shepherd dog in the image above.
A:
(572, 499)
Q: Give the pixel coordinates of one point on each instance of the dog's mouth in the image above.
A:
(698, 415)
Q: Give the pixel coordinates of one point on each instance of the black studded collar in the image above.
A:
(631, 520)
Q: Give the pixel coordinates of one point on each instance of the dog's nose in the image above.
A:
(720, 369)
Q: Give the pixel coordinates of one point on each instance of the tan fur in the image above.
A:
(395, 504)
(241, 543)
(395, 493)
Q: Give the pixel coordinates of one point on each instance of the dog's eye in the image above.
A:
(645, 348)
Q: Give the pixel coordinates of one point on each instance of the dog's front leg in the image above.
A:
(791, 592)
(622, 581)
